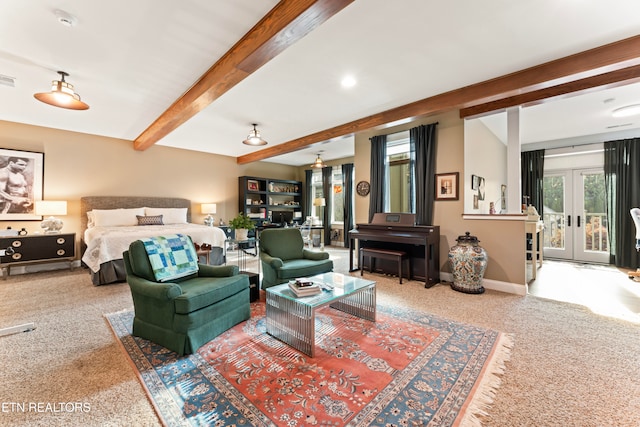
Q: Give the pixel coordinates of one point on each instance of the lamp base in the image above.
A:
(52, 225)
(209, 220)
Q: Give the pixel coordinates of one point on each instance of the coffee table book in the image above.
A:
(305, 290)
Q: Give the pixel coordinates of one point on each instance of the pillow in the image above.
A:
(150, 220)
(90, 220)
(116, 217)
(169, 215)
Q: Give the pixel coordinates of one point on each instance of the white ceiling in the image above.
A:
(130, 60)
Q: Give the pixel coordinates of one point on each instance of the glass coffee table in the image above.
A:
(291, 319)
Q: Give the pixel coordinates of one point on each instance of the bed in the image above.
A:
(110, 223)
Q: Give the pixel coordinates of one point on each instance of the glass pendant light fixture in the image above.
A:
(319, 164)
(62, 95)
(254, 137)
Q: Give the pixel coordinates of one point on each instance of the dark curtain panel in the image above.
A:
(306, 208)
(532, 174)
(326, 210)
(622, 186)
(423, 140)
(378, 159)
(347, 195)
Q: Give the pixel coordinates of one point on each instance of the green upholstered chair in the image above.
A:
(185, 313)
(284, 257)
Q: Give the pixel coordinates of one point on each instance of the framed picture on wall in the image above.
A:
(474, 182)
(503, 197)
(447, 186)
(21, 184)
(252, 185)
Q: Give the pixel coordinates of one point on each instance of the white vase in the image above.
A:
(242, 234)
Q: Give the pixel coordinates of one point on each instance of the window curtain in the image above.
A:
(377, 174)
(326, 210)
(347, 193)
(532, 175)
(422, 140)
(622, 188)
(308, 184)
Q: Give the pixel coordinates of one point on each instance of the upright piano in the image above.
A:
(398, 231)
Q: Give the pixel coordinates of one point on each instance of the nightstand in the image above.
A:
(37, 248)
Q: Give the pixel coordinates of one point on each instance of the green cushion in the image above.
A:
(304, 268)
(283, 243)
(201, 292)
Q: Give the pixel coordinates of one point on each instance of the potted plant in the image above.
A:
(242, 224)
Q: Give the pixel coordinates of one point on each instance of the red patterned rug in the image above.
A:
(407, 368)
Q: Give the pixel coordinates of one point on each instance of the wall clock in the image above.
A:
(363, 188)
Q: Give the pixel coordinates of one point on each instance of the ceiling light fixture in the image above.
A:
(254, 137)
(318, 163)
(62, 95)
(629, 110)
(348, 81)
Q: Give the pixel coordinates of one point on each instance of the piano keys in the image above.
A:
(397, 231)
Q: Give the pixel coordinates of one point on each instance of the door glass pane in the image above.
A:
(554, 211)
(595, 218)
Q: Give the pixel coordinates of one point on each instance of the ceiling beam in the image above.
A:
(577, 87)
(598, 61)
(286, 23)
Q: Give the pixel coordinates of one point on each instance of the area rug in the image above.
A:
(407, 368)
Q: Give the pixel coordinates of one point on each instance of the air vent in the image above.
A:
(7, 81)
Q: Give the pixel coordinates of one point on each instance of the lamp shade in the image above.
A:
(208, 208)
(50, 207)
(319, 201)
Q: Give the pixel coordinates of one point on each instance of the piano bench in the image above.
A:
(372, 254)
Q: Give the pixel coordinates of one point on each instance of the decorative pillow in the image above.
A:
(116, 217)
(150, 220)
(171, 257)
(169, 215)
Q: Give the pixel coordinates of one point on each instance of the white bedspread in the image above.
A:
(108, 243)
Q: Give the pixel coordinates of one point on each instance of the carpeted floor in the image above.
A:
(568, 367)
(407, 367)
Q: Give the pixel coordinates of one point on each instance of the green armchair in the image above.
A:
(185, 313)
(284, 257)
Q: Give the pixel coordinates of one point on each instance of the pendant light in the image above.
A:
(254, 137)
(319, 164)
(62, 95)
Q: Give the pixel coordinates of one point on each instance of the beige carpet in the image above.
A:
(569, 367)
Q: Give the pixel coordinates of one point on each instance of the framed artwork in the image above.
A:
(475, 201)
(474, 182)
(21, 184)
(503, 197)
(447, 186)
(481, 189)
(252, 185)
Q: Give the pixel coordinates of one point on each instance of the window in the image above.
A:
(337, 195)
(399, 171)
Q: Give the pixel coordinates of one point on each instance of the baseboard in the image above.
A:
(494, 285)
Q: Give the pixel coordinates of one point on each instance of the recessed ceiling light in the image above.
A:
(348, 81)
(629, 110)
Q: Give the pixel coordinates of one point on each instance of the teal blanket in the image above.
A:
(172, 256)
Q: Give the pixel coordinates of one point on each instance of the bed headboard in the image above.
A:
(115, 202)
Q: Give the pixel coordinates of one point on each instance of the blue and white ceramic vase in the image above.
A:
(468, 262)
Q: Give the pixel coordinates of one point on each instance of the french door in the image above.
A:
(574, 215)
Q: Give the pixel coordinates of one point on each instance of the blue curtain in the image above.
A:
(306, 209)
(347, 194)
(378, 172)
(327, 192)
(622, 187)
(532, 175)
(422, 140)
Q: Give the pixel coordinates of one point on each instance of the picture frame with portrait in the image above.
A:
(21, 184)
(447, 185)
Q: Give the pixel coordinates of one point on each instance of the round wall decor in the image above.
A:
(363, 188)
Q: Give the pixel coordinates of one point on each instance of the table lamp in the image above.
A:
(52, 224)
(208, 208)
